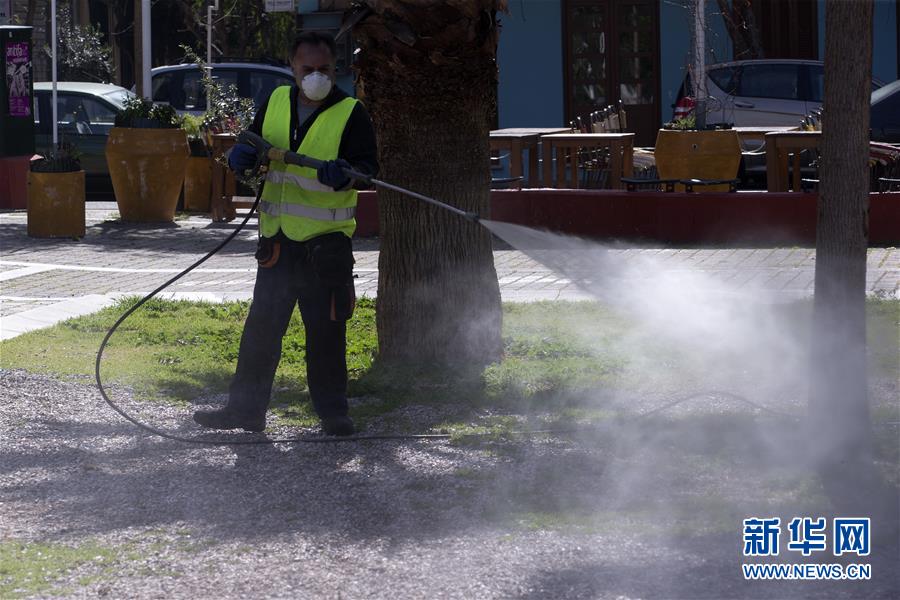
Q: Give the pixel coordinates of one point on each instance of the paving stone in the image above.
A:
(116, 259)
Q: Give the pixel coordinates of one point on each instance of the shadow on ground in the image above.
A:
(649, 508)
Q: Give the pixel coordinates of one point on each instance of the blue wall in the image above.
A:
(884, 39)
(531, 89)
(530, 56)
(675, 27)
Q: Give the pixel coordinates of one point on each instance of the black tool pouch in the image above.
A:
(332, 260)
(267, 252)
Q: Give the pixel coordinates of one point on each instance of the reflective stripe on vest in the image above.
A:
(310, 212)
(306, 183)
(294, 200)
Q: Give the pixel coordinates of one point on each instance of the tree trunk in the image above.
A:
(741, 26)
(29, 12)
(427, 72)
(838, 404)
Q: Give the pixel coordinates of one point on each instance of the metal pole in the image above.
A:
(209, 12)
(210, 8)
(53, 70)
(145, 48)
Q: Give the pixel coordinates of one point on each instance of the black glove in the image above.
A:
(331, 173)
(242, 157)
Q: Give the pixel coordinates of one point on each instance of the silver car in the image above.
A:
(182, 87)
(85, 113)
(764, 92)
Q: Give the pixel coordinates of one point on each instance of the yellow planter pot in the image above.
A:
(147, 169)
(698, 155)
(197, 183)
(56, 204)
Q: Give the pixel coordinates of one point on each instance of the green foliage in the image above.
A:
(64, 159)
(142, 113)
(250, 31)
(82, 56)
(193, 126)
(198, 138)
(226, 111)
(683, 123)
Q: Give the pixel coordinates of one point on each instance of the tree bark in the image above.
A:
(838, 404)
(741, 26)
(427, 72)
(29, 12)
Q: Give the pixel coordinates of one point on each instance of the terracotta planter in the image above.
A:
(56, 204)
(147, 169)
(698, 155)
(197, 183)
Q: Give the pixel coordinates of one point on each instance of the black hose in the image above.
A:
(218, 441)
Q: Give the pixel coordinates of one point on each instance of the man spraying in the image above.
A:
(305, 256)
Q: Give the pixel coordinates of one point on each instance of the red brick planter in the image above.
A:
(675, 218)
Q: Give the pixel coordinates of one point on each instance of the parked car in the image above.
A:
(182, 87)
(765, 92)
(86, 112)
(885, 115)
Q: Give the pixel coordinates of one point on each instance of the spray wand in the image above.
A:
(266, 152)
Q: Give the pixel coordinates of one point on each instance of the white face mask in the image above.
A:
(316, 86)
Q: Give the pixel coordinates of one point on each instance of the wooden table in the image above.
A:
(758, 134)
(621, 151)
(778, 146)
(222, 203)
(516, 140)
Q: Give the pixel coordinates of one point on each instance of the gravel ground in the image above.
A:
(614, 515)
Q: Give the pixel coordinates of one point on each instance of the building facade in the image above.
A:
(558, 59)
(563, 58)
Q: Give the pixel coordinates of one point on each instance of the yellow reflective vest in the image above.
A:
(293, 200)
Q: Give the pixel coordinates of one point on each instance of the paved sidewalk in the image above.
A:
(43, 281)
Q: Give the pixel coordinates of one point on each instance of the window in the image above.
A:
(101, 116)
(84, 115)
(163, 85)
(263, 82)
(192, 86)
(817, 83)
(770, 81)
(724, 78)
(193, 96)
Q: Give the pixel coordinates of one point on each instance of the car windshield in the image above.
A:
(881, 93)
(118, 97)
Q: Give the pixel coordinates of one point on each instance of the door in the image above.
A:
(611, 54)
(769, 94)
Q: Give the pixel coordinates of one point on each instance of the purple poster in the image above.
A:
(18, 78)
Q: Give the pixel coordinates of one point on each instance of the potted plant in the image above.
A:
(146, 152)
(198, 172)
(56, 194)
(226, 115)
(685, 152)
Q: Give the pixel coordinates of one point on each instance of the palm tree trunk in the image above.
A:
(427, 72)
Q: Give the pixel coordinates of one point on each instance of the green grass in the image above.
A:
(556, 354)
(32, 568)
